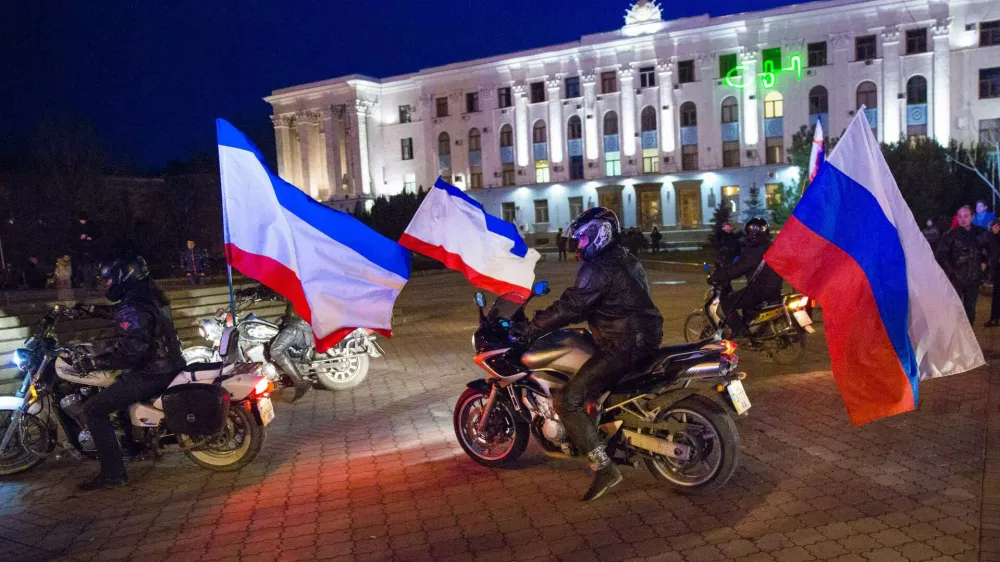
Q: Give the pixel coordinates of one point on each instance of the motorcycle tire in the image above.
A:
(791, 354)
(464, 425)
(347, 379)
(242, 455)
(17, 458)
(721, 425)
(696, 326)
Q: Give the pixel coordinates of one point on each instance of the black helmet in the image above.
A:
(599, 226)
(756, 229)
(121, 275)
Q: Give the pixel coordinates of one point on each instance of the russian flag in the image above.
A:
(892, 318)
(338, 273)
(454, 229)
(816, 154)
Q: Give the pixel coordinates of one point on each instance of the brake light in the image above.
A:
(263, 387)
(729, 348)
(798, 303)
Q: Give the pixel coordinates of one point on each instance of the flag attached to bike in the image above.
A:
(338, 273)
(891, 316)
(454, 229)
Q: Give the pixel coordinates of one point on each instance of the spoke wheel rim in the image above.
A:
(482, 445)
(707, 454)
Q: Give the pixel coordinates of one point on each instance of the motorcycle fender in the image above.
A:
(14, 403)
(481, 385)
(668, 398)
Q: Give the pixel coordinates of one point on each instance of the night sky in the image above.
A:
(151, 75)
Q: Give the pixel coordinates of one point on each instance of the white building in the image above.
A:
(659, 120)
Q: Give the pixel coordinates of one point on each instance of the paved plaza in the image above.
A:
(377, 474)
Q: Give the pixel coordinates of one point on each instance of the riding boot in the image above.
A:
(606, 474)
(298, 381)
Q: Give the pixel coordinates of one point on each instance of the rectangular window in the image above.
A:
(575, 206)
(541, 171)
(772, 195)
(609, 82)
(405, 114)
(503, 97)
(472, 102)
(916, 41)
(689, 157)
(731, 154)
(508, 212)
(410, 183)
(573, 87)
(685, 71)
(989, 83)
(508, 174)
(817, 54)
(647, 77)
(442, 107)
(864, 48)
(612, 164)
(507, 136)
(731, 198)
(576, 168)
(774, 150)
(771, 59)
(726, 63)
(650, 164)
(574, 129)
(537, 92)
(989, 130)
(475, 178)
(406, 147)
(541, 211)
(989, 33)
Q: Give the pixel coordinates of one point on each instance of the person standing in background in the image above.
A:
(984, 217)
(561, 244)
(193, 261)
(655, 237)
(994, 273)
(963, 254)
(83, 247)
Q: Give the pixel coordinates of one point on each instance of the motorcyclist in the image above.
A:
(295, 333)
(762, 286)
(147, 351)
(612, 295)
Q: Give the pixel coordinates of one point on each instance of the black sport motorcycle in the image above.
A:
(652, 415)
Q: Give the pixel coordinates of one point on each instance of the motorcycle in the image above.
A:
(651, 415)
(342, 367)
(778, 328)
(216, 414)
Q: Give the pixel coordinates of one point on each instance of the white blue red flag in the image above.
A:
(454, 229)
(338, 273)
(816, 155)
(891, 316)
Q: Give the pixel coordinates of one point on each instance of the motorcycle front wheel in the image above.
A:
(342, 373)
(238, 444)
(501, 442)
(696, 327)
(28, 447)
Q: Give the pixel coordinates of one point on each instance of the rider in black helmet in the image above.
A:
(763, 284)
(612, 295)
(147, 352)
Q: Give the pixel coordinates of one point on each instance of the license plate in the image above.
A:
(802, 317)
(738, 396)
(266, 409)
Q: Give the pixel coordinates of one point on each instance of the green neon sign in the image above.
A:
(768, 74)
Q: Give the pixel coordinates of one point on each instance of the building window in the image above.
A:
(508, 212)
(730, 110)
(609, 82)
(410, 183)
(576, 167)
(774, 105)
(406, 147)
(574, 128)
(916, 94)
(405, 114)
(818, 101)
(506, 136)
(444, 144)
(650, 164)
(726, 63)
(612, 164)
(573, 87)
(817, 54)
(647, 77)
(916, 90)
(774, 150)
(647, 119)
(771, 59)
(541, 171)
(989, 83)
(731, 199)
(867, 95)
(916, 41)
(989, 130)
(611, 123)
(508, 175)
(442, 107)
(538, 132)
(731, 154)
(541, 211)
(772, 195)
(537, 92)
(475, 177)
(989, 33)
(472, 102)
(475, 140)
(689, 157)
(503, 97)
(575, 206)
(685, 71)
(864, 47)
(689, 115)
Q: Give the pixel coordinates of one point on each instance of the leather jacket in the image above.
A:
(612, 295)
(962, 254)
(147, 340)
(768, 284)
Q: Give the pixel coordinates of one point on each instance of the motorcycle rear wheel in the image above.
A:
(788, 350)
(20, 456)
(696, 327)
(515, 431)
(245, 437)
(350, 372)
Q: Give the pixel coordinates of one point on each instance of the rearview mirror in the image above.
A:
(541, 288)
(704, 266)
(480, 300)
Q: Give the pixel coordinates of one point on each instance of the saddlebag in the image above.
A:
(195, 409)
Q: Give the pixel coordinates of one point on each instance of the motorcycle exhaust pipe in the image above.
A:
(702, 371)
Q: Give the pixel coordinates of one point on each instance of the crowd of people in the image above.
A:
(633, 239)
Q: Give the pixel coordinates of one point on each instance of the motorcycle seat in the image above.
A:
(662, 358)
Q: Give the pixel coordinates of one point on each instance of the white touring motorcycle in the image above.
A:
(216, 413)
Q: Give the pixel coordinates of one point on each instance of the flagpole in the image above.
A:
(225, 233)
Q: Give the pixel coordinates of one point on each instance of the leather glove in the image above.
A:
(84, 363)
(710, 280)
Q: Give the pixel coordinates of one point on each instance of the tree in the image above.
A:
(723, 214)
(754, 207)
(69, 159)
(787, 199)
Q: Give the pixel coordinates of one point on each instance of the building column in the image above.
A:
(940, 126)
(751, 128)
(283, 144)
(305, 121)
(625, 80)
(668, 133)
(891, 109)
(363, 187)
(521, 131)
(591, 142)
(332, 123)
(555, 121)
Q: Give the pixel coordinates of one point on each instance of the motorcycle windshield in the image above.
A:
(507, 307)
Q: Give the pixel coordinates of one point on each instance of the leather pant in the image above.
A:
(297, 334)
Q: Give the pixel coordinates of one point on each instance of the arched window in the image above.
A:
(867, 95)
(647, 119)
(818, 101)
(574, 128)
(538, 131)
(475, 140)
(611, 123)
(916, 90)
(444, 144)
(506, 136)
(730, 110)
(774, 105)
(689, 114)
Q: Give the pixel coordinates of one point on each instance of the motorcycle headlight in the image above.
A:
(202, 332)
(21, 358)
(473, 341)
